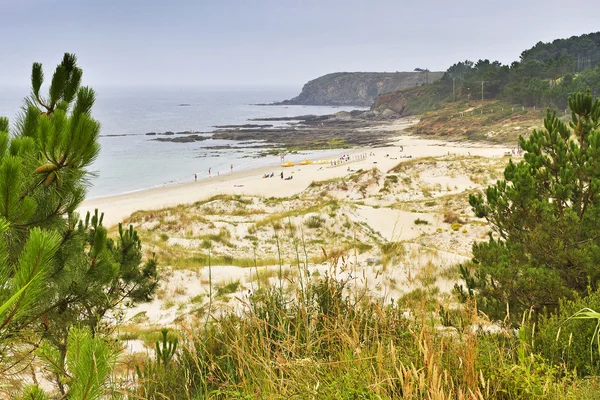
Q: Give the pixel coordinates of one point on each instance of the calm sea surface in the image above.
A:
(135, 162)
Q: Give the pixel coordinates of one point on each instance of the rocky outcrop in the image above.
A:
(397, 101)
(357, 88)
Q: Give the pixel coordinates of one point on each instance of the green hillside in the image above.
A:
(545, 76)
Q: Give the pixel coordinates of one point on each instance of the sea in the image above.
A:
(130, 160)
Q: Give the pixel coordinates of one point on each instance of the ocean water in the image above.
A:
(129, 160)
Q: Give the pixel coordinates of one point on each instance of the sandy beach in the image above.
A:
(251, 182)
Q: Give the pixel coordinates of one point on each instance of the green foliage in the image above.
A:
(155, 377)
(229, 288)
(544, 214)
(546, 75)
(328, 345)
(566, 338)
(34, 392)
(514, 371)
(577, 52)
(165, 350)
(83, 371)
(314, 222)
(58, 272)
(456, 226)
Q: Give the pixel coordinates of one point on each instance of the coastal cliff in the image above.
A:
(358, 88)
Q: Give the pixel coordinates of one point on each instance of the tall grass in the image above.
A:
(329, 343)
(330, 339)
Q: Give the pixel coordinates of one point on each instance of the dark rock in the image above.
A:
(303, 118)
(367, 114)
(342, 115)
(388, 114)
(183, 139)
(244, 126)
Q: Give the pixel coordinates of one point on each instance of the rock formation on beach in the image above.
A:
(395, 101)
(357, 88)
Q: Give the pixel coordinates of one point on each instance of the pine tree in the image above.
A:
(545, 218)
(58, 271)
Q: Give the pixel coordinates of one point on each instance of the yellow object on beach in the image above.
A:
(305, 162)
(288, 164)
(321, 162)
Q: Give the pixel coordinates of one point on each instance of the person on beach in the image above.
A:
(231, 167)
(195, 177)
(209, 171)
(281, 175)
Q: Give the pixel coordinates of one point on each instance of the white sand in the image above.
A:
(396, 225)
(250, 182)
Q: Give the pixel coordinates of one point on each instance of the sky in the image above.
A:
(233, 43)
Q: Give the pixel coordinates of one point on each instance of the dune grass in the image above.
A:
(332, 341)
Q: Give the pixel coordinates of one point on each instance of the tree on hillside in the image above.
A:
(544, 215)
(426, 72)
(57, 272)
(584, 50)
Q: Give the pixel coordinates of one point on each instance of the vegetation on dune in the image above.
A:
(495, 121)
(323, 334)
(331, 339)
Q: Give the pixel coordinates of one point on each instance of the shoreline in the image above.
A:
(251, 182)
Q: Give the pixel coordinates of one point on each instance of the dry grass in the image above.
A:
(326, 342)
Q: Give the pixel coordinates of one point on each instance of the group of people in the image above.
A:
(272, 174)
(346, 158)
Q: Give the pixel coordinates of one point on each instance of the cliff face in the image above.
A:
(357, 88)
(398, 100)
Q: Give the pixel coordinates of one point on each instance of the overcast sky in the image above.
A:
(272, 42)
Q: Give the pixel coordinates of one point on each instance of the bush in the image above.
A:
(451, 217)
(566, 341)
(314, 222)
(420, 221)
(545, 213)
(456, 226)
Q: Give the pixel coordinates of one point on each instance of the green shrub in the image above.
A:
(229, 288)
(566, 341)
(314, 222)
(456, 226)
(546, 210)
(420, 221)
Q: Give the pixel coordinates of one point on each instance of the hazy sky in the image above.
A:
(272, 42)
